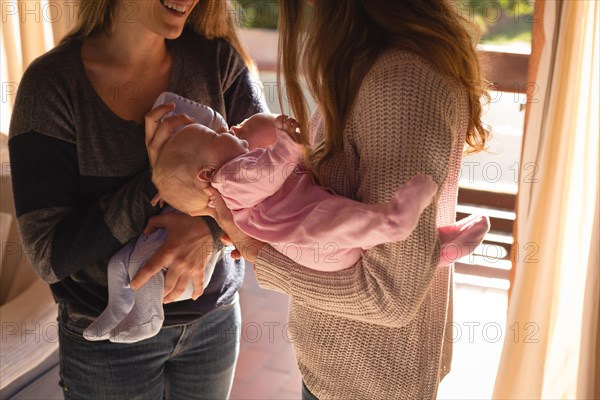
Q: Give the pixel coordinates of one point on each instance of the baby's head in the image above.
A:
(258, 130)
(187, 163)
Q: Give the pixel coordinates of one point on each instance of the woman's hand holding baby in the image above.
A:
(159, 129)
(245, 245)
(186, 251)
(189, 243)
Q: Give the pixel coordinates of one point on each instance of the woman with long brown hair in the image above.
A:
(399, 92)
(82, 188)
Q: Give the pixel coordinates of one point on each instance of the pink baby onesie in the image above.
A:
(274, 200)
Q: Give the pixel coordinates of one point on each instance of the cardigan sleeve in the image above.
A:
(404, 123)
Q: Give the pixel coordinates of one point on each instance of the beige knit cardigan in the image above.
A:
(381, 329)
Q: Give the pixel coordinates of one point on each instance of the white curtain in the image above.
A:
(29, 29)
(551, 351)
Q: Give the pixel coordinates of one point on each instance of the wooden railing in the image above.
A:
(507, 72)
(492, 259)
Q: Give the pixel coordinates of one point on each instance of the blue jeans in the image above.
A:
(193, 361)
(306, 394)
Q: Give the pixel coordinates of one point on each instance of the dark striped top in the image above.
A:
(81, 177)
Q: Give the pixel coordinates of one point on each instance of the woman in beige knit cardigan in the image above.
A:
(398, 89)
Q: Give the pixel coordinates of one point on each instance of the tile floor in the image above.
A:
(267, 369)
(478, 336)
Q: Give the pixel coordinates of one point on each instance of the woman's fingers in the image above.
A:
(178, 277)
(236, 255)
(159, 128)
(246, 246)
(221, 212)
(163, 132)
(174, 121)
(175, 284)
(156, 222)
(198, 280)
(225, 239)
(153, 119)
(162, 258)
(184, 253)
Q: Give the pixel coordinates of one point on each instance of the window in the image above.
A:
(257, 13)
(489, 180)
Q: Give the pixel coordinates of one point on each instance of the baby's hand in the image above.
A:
(157, 200)
(290, 126)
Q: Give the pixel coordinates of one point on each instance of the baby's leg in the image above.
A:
(120, 296)
(461, 238)
(147, 312)
(201, 113)
(347, 223)
(146, 317)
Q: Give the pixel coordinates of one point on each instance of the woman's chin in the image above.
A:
(171, 32)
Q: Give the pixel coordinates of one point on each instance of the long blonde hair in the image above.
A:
(338, 43)
(211, 18)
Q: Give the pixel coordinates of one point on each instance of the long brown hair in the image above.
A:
(210, 18)
(339, 42)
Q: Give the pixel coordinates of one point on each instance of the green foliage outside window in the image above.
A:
(501, 21)
(257, 13)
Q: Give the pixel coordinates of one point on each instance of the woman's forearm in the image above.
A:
(62, 230)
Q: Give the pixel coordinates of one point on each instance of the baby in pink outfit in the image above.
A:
(257, 168)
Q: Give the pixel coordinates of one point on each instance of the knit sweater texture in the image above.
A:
(381, 329)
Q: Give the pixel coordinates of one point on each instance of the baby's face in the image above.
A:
(188, 154)
(258, 130)
(213, 148)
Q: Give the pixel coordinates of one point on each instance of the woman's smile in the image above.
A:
(177, 8)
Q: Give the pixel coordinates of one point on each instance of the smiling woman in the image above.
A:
(80, 112)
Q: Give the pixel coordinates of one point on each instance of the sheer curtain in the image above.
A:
(551, 347)
(29, 29)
